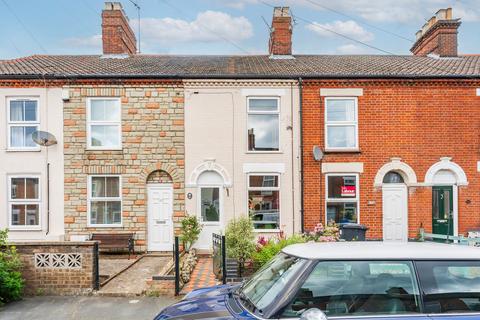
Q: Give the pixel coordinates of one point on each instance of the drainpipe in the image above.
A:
(302, 204)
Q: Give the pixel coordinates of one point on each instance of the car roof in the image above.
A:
(382, 250)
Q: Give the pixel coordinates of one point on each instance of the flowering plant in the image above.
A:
(321, 233)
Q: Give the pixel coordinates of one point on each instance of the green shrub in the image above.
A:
(267, 249)
(240, 240)
(11, 282)
(189, 231)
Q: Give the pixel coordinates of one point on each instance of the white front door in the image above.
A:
(395, 212)
(160, 217)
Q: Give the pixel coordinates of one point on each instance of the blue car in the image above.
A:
(354, 280)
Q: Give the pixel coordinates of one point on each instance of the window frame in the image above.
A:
(220, 203)
(37, 201)
(278, 175)
(340, 123)
(11, 124)
(277, 112)
(90, 199)
(355, 199)
(91, 123)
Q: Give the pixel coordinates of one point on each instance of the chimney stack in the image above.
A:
(117, 36)
(280, 43)
(438, 36)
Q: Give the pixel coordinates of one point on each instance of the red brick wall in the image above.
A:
(281, 36)
(418, 121)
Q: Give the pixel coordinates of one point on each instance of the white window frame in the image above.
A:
(220, 203)
(37, 201)
(90, 199)
(11, 124)
(91, 123)
(340, 123)
(355, 199)
(278, 188)
(276, 112)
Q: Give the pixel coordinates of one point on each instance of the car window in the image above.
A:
(344, 288)
(450, 286)
(268, 282)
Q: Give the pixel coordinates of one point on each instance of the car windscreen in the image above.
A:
(266, 284)
(450, 286)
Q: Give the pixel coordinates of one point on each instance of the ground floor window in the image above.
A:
(264, 201)
(105, 200)
(210, 204)
(24, 201)
(342, 198)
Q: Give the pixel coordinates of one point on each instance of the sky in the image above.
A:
(226, 27)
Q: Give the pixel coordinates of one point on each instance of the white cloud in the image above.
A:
(351, 49)
(348, 28)
(404, 11)
(209, 26)
(90, 42)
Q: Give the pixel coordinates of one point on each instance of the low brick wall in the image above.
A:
(161, 285)
(57, 268)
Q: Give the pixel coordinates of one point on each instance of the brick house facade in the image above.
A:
(401, 124)
(152, 151)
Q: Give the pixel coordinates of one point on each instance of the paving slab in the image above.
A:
(133, 281)
(83, 308)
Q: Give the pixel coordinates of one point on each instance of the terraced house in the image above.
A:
(290, 140)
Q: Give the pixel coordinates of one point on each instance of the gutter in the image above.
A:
(232, 77)
(302, 196)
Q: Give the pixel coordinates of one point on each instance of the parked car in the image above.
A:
(354, 280)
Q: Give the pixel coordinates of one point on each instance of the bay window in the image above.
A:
(342, 198)
(24, 202)
(23, 121)
(105, 200)
(264, 201)
(263, 124)
(341, 123)
(104, 123)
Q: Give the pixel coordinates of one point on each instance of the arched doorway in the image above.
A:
(209, 206)
(160, 211)
(394, 207)
(445, 176)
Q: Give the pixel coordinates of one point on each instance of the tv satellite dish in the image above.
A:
(44, 138)
(317, 153)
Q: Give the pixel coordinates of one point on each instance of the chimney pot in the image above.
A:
(117, 35)
(438, 36)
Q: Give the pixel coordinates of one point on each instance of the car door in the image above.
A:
(359, 290)
(451, 289)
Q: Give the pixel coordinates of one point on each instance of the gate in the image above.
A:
(219, 257)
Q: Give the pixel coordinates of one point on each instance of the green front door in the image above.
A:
(442, 206)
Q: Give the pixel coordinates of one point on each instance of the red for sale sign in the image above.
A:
(348, 191)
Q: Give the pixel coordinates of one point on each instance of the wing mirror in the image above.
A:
(313, 314)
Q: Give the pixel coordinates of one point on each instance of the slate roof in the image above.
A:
(252, 66)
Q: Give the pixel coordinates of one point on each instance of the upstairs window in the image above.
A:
(341, 123)
(23, 121)
(24, 202)
(263, 124)
(104, 123)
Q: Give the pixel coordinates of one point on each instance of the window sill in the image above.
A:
(23, 150)
(266, 230)
(104, 225)
(24, 228)
(103, 149)
(327, 151)
(264, 152)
